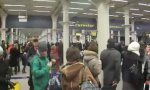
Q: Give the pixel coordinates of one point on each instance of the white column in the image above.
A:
(103, 26)
(65, 28)
(54, 28)
(118, 36)
(3, 29)
(111, 33)
(83, 37)
(19, 37)
(16, 34)
(12, 36)
(127, 27)
(49, 35)
(133, 32)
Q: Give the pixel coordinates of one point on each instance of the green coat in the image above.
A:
(40, 72)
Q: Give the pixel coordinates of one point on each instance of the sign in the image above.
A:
(93, 33)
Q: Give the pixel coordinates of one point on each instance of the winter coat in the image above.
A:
(71, 77)
(14, 55)
(40, 72)
(94, 64)
(111, 60)
(129, 60)
(3, 73)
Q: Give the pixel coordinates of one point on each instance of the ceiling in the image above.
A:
(82, 8)
(139, 9)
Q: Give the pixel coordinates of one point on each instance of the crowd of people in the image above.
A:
(48, 72)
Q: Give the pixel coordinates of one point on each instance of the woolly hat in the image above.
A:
(42, 46)
(134, 47)
(1, 51)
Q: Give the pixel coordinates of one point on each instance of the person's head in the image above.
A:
(42, 49)
(35, 44)
(111, 43)
(1, 52)
(93, 47)
(73, 54)
(134, 47)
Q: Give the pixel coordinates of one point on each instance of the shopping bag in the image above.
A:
(146, 87)
(17, 86)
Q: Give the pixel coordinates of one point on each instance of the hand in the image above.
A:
(114, 83)
(53, 60)
(49, 64)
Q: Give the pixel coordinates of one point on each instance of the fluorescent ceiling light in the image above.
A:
(92, 9)
(120, 12)
(73, 12)
(120, 0)
(40, 11)
(146, 11)
(76, 8)
(22, 16)
(81, 3)
(134, 9)
(137, 14)
(88, 13)
(143, 4)
(43, 6)
(45, 0)
(9, 5)
(113, 15)
(112, 6)
(145, 18)
(13, 10)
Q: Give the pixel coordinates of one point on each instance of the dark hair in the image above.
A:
(35, 40)
(111, 43)
(73, 54)
(93, 47)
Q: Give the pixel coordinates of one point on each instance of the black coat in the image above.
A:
(3, 73)
(111, 60)
(129, 59)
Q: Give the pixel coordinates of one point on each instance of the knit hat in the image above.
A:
(134, 47)
(1, 51)
(42, 46)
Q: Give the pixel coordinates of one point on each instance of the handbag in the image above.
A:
(86, 84)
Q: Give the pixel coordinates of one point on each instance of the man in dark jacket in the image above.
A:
(111, 60)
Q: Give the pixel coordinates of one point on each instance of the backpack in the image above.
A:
(54, 82)
(86, 84)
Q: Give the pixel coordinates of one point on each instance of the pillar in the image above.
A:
(127, 26)
(54, 28)
(12, 36)
(119, 36)
(111, 33)
(3, 29)
(65, 28)
(16, 34)
(49, 35)
(103, 26)
(133, 32)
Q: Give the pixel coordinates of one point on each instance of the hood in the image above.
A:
(89, 55)
(71, 71)
(134, 47)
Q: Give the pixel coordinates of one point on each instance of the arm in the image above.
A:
(37, 72)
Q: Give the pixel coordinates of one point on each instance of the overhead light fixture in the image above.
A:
(143, 4)
(40, 11)
(112, 6)
(73, 12)
(120, 12)
(134, 9)
(92, 9)
(10, 5)
(13, 10)
(146, 11)
(137, 14)
(22, 16)
(120, 0)
(88, 13)
(113, 15)
(145, 18)
(43, 6)
(76, 8)
(45, 0)
(81, 3)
